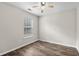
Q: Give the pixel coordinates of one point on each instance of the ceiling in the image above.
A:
(58, 6)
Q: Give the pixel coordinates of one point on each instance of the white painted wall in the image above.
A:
(77, 23)
(12, 28)
(59, 28)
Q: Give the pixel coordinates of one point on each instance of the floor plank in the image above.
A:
(41, 48)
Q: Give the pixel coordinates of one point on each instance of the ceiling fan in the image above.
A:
(43, 5)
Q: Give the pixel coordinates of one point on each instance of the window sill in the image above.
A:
(28, 36)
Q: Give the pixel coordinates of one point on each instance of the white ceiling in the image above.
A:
(58, 6)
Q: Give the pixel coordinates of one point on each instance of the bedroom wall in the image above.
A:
(77, 23)
(59, 28)
(12, 28)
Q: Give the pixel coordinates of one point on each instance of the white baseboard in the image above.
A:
(58, 43)
(17, 47)
(30, 43)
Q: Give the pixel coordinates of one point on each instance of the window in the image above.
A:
(28, 26)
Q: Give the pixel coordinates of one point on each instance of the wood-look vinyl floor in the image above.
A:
(41, 48)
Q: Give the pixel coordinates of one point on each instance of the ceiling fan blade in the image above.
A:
(35, 6)
(51, 6)
(29, 9)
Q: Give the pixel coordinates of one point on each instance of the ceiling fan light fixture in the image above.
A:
(43, 7)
